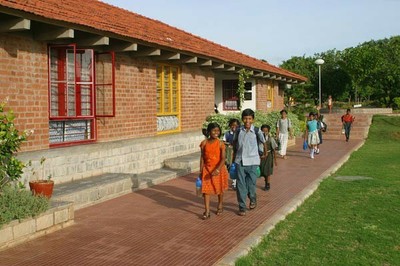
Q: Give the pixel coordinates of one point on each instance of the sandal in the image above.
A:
(206, 215)
(219, 211)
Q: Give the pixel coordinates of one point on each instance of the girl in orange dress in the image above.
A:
(213, 172)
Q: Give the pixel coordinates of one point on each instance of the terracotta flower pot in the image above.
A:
(42, 187)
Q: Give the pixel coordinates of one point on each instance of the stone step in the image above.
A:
(92, 190)
(189, 163)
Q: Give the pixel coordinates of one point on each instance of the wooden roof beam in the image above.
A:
(15, 24)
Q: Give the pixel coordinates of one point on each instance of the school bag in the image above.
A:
(236, 139)
(322, 125)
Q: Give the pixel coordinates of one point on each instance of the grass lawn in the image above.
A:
(345, 222)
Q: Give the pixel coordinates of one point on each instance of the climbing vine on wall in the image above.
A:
(243, 76)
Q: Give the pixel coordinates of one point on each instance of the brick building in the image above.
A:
(108, 90)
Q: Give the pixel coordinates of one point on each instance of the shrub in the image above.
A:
(10, 142)
(261, 118)
(15, 201)
(18, 204)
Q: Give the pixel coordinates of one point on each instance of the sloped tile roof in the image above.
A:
(104, 17)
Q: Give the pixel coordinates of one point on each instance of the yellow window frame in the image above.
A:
(162, 91)
(270, 92)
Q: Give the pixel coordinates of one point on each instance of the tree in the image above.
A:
(374, 69)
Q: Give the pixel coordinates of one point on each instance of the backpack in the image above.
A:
(322, 126)
(236, 138)
(288, 121)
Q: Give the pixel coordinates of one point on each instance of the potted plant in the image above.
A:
(41, 186)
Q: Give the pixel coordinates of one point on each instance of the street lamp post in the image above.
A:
(319, 62)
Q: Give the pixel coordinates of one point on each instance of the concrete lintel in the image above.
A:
(60, 33)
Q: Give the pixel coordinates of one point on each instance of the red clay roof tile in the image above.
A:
(101, 16)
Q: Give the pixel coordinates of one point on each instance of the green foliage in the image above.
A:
(10, 142)
(345, 222)
(19, 204)
(396, 101)
(367, 72)
(243, 76)
(260, 119)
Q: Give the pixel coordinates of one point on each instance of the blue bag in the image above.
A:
(305, 145)
(233, 171)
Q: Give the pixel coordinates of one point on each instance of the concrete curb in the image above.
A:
(244, 247)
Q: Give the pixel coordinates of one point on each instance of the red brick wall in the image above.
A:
(278, 97)
(23, 79)
(197, 94)
(261, 92)
(135, 110)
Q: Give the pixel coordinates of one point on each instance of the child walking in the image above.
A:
(269, 159)
(311, 134)
(247, 159)
(214, 175)
(228, 140)
(283, 130)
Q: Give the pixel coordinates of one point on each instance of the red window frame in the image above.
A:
(72, 94)
(229, 94)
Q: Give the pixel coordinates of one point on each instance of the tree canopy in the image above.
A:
(368, 72)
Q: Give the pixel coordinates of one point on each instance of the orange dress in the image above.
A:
(211, 158)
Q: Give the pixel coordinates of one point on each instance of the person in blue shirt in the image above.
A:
(311, 134)
(247, 160)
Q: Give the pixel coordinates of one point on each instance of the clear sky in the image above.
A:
(276, 30)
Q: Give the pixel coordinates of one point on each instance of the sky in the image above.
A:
(276, 30)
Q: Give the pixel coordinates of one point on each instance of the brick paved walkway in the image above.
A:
(162, 225)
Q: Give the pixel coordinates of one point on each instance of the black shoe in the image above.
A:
(267, 186)
(253, 205)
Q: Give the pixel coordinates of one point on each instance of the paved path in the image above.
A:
(162, 225)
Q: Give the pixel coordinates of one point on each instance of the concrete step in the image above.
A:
(189, 163)
(89, 191)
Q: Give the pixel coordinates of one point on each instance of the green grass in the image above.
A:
(345, 222)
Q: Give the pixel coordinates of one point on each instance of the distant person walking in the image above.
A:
(330, 103)
(283, 129)
(311, 134)
(347, 121)
(321, 126)
(213, 172)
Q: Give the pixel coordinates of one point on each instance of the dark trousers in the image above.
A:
(246, 185)
(347, 128)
